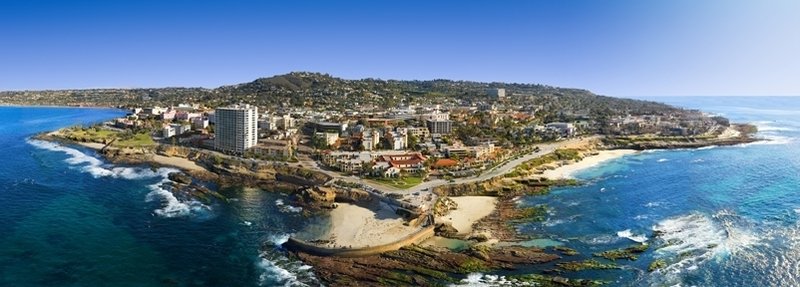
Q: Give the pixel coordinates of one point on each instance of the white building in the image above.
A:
(168, 132)
(199, 123)
(236, 128)
(435, 116)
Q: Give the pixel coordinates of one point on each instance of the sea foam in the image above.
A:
(173, 207)
(692, 239)
(280, 270)
(629, 235)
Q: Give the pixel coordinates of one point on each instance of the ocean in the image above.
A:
(71, 219)
(729, 216)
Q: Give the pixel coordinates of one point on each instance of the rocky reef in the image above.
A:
(420, 266)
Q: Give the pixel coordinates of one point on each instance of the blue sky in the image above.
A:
(625, 48)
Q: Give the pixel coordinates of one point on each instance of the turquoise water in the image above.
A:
(72, 219)
(731, 213)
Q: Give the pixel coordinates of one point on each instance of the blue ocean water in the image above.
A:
(72, 219)
(730, 216)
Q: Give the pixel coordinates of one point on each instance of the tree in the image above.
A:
(412, 142)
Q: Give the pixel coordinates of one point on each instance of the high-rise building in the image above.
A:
(236, 128)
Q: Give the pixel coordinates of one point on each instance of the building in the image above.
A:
(330, 139)
(408, 162)
(175, 130)
(565, 129)
(397, 140)
(168, 132)
(168, 115)
(275, 148)
(435, 116)
(347, 162)
(497, 93)
(417, 132)
(268, 125)
(199, 123)
(328, 127)
(440, 127)
(284, 122)
(236, 129)
(186, 116)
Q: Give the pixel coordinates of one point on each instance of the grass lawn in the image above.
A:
(104, 136)
(138, 140)
(400, 182)
(91, 135)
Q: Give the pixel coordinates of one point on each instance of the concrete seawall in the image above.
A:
(414, 238)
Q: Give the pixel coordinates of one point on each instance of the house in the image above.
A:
(407, 162)
(275, 148)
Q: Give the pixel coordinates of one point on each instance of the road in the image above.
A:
(425, 187)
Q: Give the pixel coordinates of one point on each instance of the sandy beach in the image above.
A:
(356, 226)
(566, 171)
(470, 210)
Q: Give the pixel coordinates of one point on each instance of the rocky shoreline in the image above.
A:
(415, 264)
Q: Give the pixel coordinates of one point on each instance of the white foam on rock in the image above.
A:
(692, 239)
(283, 207)
(633, 237)
(279, 270)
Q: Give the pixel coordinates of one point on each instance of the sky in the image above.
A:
(626, 48)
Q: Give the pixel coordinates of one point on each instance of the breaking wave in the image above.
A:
(173, 207)
(629, 235)
(690, 240)
(283, 207)
(485, 280)
(280, 270)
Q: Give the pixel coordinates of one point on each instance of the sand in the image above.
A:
(355, 226)
(470, 210)
(567, 171)
(178, 162)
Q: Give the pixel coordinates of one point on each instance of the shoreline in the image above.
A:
(567, 171)
(354, 226)
(177, 162)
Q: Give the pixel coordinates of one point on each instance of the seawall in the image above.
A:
(414, 238)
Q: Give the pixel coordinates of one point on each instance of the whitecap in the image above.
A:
(286, 207)
(653, 204)
(173, 207)
(629, 235)
(663, 160)
(280, 270)
(694, 238)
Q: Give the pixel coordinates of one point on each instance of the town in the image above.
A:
(400, 146)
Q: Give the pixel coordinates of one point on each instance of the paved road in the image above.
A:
(426, 186)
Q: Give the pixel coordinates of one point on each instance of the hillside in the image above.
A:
(322, 91)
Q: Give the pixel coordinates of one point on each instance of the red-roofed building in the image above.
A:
(405, 162)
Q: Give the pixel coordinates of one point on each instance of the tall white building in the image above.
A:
(236, 128)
